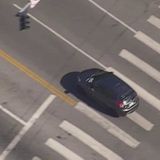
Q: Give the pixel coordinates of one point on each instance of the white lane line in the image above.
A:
(148, 41)
(154, 21)
(141, 121)
(62, 38)
(89, 141)
(152, 100)
(148, 69)
(111, 15)
(36, 158)
(62, 150)
(94, 3)
(29, 124)
(12, 115)
(107, 125)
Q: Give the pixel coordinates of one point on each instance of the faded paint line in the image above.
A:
(112, 16)
(107, 125)
(143, 66)
(62, 150)
(89, 141)
(38, 79)
(12, 115)
(24, 130)
(155, 21)
(142, 37)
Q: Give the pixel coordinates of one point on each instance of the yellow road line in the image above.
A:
(38, 79)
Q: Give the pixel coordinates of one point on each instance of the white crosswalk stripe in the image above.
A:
(141, 121)
(108, 125)
(154, 21)
(28, 125)
(152, 100)
(155, 74)
(148, 41)
(62, 150)
(89, 141)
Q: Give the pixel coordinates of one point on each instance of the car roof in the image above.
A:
(113, 84)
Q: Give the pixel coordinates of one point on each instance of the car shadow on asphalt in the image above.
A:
(69, 83)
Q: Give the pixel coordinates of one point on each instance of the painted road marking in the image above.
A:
(154, 21)
(36, 158)
(37, 78)
(152, 100)
(107, 125)
(89, 141)
(112, 16)
(148, 41)
(12, 115)
(152, 72)
(29, 124)
(94, 3)
(47, 85)
(139, 34)
(141, 121)
(62, 38)
(62, 150)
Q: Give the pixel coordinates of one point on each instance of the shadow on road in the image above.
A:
(69, 83)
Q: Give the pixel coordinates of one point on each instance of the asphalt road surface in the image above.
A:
(42, 115)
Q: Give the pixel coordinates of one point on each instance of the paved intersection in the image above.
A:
(78, 35)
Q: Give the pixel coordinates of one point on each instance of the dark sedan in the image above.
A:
(109, 90)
